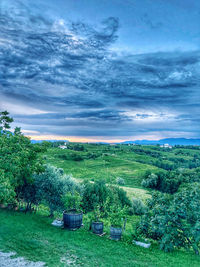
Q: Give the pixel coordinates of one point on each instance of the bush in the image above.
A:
(52, 185)
(72, 201)
(174, 220)
(150, 181)
(119, 197)
(94, 194)
(167, 182)
(7, 192)
(117, 216)
(98, 192)
(76, 157)
(120, 181)
(138, 206)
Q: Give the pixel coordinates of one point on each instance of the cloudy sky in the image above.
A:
(101, 69)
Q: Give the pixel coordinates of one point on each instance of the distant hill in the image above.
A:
(170, 141)
(40, 141)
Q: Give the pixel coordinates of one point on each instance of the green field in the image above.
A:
(111, 163)
(33, 237)
(126, 161)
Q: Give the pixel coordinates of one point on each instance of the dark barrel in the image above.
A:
(97, 228)
(72, 219)
(115, 233)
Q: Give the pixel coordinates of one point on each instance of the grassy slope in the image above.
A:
(33, 237)
(115, 164)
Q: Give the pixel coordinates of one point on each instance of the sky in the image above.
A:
(101, 70)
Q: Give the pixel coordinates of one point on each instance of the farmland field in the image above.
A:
(108, 162)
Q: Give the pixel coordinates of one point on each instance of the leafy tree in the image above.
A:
(52, 185)
(5, 120)
(167, 182)
(94, 194)
(28, 194)
(7, 192)
(19, 159)
(174, 220)
(98, 193)
(138, 206)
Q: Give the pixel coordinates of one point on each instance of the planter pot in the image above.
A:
(115, 233)
(97, 228)
(72, 219)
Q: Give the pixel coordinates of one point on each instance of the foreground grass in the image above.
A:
(32, 237)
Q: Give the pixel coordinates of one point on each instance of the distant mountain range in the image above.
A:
(170, 141)
(40, 141)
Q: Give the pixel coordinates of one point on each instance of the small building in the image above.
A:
(63, 147)
(166, 146)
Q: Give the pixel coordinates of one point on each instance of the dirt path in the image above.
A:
(7, 260)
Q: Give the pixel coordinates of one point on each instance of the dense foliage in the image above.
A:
(98, 193)
(137, 206)
(163, 181)
(51, 187)
(19, 160)
(169, 182)
(174, 220)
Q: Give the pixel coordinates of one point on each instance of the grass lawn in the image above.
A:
(32, 237)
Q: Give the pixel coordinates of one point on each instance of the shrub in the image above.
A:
(120, 181)
(7, 192)
(118, 196)
(167, 182)
(52, 185)
(63, 156)
(28, 194)
(94, 194)
(138, 206)
(76, 157)
(98, 192)
(117, 216)
(72, 201)
(150, 181)
(96, 214)
(174, 220)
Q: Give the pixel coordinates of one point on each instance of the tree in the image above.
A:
(7, 192)
(98, 193)
(5, 120)
(19, 159)
(94, 194)
(174, 220)
(52, 185)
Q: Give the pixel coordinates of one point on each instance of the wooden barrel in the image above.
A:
(115, 233)
(72, 219)
(97, 228)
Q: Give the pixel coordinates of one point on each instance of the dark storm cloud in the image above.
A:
(69, 70)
